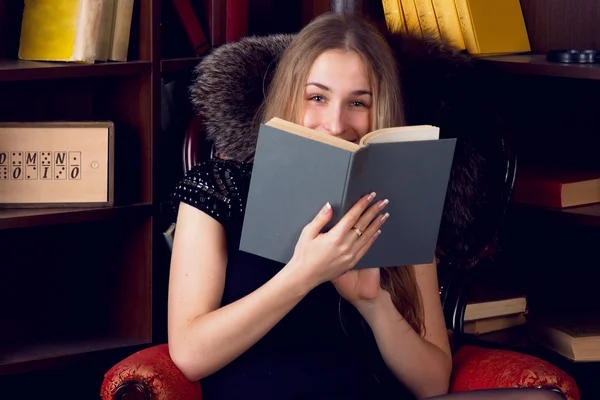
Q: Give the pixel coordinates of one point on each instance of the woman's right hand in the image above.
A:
(321, 257)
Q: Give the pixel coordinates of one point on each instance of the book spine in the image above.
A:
(447, 17)
(236, 26)
(427, 19)
(466, 25)
(394, 18)
(88, 27)
(119, 45)
(353, 189)
(107, 23)
(192, 26)
(411, 17)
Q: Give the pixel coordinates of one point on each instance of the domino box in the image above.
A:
(56, 164)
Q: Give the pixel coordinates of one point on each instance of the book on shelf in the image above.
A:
(486, 301)
(493, 324)
(575, 336)
(297, 170)
(448, 23)
(78, 31)
(492, 27)
(427, 19)
(411, 17)
(192, 26)
(394, 16)
(556, 187)
(481, 27)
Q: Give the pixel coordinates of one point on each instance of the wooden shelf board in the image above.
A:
(11, 218)
(586, 215)
(19, 70)
(179, 64)
(536, 64)
(38, 355)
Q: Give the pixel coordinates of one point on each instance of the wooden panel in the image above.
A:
(11, 14)
(129, 304)
(28, 218)
(536, 64)
(127, 102)
(72, 282)
(17, 70)
(52, 353)
(559, 24)
(49, 100)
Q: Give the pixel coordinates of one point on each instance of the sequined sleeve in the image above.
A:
(216, 187)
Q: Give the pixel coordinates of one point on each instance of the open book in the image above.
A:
(297, 170)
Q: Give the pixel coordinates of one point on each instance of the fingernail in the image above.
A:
(326, 208)
(371, 196)
(383, 203)
(377, 233)
(384, 217)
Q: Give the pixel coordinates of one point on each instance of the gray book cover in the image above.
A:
(293, 177)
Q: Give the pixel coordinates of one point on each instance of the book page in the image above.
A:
(402, 134)
(311, 134)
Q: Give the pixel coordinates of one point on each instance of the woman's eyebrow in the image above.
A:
(325, 88)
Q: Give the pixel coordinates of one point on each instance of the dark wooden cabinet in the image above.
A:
(551, 111)
(76, 284)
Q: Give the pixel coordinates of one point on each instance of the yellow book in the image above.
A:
(394, 18)
(493, 26)
(427, 18)
(60, 30)
(448, 23)
(409, 9)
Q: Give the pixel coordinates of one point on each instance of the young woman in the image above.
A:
(313, 328)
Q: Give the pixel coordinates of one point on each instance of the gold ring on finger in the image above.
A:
(357, 231)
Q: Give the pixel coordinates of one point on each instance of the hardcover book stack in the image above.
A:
(481, 27)
(491, 309)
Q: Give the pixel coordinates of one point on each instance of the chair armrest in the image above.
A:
(148, 374)
(483, 368)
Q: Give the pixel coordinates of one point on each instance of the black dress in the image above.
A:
(322, 349)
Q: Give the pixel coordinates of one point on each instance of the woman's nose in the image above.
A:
(335, 122)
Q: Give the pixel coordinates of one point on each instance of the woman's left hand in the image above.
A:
(359, 285)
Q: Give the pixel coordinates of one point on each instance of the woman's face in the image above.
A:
(338, 96)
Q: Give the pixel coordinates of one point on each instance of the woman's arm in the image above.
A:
(423, 364)
(204, 337)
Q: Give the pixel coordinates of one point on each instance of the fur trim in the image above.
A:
(230, 85)
(440, 85)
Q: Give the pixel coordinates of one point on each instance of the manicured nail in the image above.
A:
(371, 196)
(384, 217)
(326, 208)
(384, 203)
(377, 233)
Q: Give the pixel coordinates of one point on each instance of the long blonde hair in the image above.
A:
(334, 31)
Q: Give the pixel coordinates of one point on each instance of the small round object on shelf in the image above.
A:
(573, 56)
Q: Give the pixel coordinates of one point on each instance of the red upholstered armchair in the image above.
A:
(437, 82)
(150, 374)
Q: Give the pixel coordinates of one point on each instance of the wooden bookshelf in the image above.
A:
(551, 112)
(536, 64)
(34, 217)
(18, 70)
(179, 64)
(582, 216)
(76, 283)
(49, 353)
